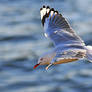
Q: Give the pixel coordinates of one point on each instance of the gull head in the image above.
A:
(45, 59)
(42, 61)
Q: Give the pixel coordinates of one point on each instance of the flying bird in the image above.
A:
(68, 46)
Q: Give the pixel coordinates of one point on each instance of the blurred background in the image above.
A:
(22, 41)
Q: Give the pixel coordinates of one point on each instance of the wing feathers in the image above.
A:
(54, 17)
(57, 28)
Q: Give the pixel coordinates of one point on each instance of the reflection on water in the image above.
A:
(22, 42)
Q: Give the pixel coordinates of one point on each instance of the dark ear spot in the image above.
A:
(41, 59)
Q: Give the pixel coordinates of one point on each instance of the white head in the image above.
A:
(45, 59)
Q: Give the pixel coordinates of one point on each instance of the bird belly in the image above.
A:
(65, 61)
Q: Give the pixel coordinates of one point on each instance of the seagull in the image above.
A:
(68, 46)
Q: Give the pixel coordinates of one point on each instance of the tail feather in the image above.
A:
(89, 53)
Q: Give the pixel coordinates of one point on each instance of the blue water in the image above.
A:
(22, 41)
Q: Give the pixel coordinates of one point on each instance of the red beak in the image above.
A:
(36, 65)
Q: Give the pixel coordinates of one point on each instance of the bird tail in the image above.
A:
(89, 53)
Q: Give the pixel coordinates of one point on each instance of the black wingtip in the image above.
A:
(52, 9)
(40, 9)
(43, 6)
(48, 7)
(56, 12)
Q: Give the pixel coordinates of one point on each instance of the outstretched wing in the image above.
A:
(57, 28)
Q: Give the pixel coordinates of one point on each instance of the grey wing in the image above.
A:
(57, 28)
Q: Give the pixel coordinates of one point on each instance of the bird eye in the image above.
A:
(41, 59)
